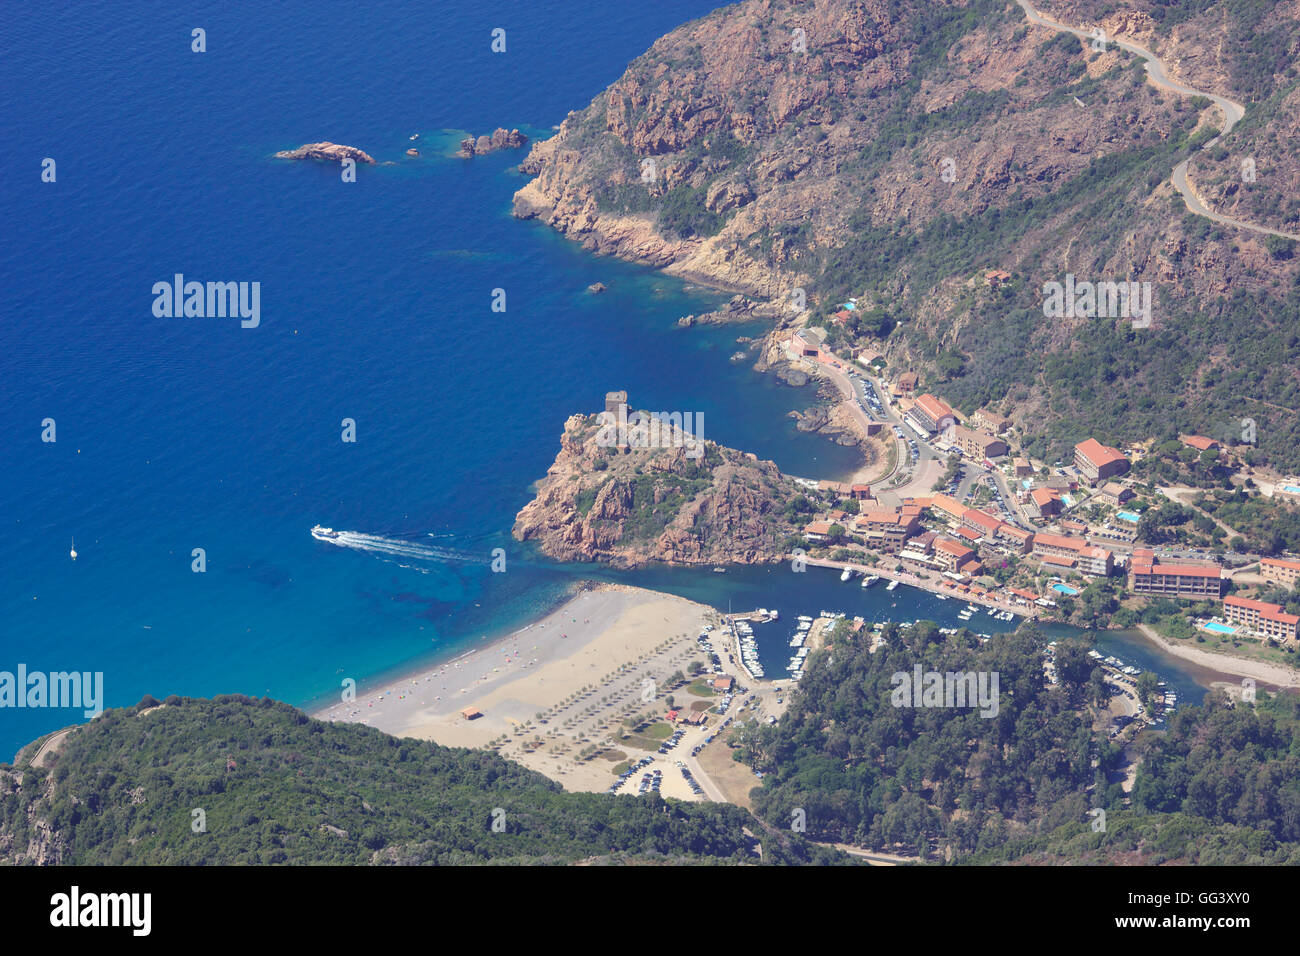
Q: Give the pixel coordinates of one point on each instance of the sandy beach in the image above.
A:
(1273, 675)
(609, 637)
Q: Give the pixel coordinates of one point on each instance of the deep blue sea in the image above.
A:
(182, 433)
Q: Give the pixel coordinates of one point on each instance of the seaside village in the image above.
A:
(953, 507)
(959, 510)
(962, 512)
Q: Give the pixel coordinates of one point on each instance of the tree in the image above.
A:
(1146, 688)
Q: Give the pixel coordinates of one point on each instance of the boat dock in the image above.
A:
(760, 616)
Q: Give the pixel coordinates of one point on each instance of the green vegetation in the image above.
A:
(278, 787)
(885, 777)
(1270, 525)
(1220, 786)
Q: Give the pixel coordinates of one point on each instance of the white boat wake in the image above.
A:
(396, 547)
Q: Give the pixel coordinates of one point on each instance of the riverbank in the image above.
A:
(1273, 675)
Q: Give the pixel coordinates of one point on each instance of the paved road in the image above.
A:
(51, 745)
(1158, 76)
(851, 388)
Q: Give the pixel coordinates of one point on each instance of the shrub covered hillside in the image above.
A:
(1221, 786)
(275, 786)
(897, 150)
(933, 780)
(1217, 785)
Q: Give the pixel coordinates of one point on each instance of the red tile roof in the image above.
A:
(1178, 570)
(1281, 563)
(1042, 496)
(981, 519)
(955, 548)
(1273, 612)
(1059, 541)
(1198, 441)
(1097, 453)
(934, 407)
(948, 504)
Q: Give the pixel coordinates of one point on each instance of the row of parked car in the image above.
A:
(873, 406)
(650, 782)
(690, 779)
(630, 771)
(672, 741)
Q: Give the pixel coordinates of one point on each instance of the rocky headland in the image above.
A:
(678, 503)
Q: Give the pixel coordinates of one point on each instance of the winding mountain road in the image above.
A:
(1158, 76)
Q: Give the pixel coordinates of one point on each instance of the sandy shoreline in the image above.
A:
(1274, 675)
(457, 682)
(511, 679)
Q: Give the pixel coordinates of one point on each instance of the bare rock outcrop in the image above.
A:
(677, 499)
(330, 152)
(501, 138)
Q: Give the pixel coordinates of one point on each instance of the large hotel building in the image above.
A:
(885, 529)
(1266, 620)
(1146, 575)
(1097, 462)
(1280, 571)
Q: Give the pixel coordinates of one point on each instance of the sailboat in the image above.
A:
(73, 552)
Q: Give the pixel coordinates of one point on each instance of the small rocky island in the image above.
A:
(675, 499)
(500, 139)
(331, 152)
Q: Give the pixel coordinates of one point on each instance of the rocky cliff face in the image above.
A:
(680, 504)
(41, 844)
(895, 150)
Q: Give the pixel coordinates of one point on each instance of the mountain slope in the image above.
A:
(275, 786)
(913, 146)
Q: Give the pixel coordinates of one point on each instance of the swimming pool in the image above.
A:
(1065, 589)
(1128, 516)
(1291, 489)
(1218, 628)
